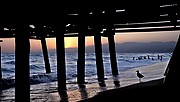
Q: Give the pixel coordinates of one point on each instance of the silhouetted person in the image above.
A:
(133, 58)
(139, 75)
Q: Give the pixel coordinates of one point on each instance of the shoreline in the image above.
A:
(150, 90)
(94, 89)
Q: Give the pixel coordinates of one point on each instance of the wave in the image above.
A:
(36, 67)
(7, 70)
(42, 78)
(6, 83)
(90, 59)
(10, 62)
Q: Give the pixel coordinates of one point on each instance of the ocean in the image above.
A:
(38, 76)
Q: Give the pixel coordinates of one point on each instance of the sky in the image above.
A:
(8, 44)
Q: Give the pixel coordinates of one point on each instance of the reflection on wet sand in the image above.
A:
(83, 92)
(64, 96)
(116, 81)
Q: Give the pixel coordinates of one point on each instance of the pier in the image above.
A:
(82, 22)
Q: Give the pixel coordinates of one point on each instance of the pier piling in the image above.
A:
(112, 52)
(22, 51)
(99, 60)
(61, 66)
(81, 50)
(45, 54)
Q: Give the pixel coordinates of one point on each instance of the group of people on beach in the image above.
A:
(159, 57)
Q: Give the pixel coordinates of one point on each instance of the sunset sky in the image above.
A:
(8, 44)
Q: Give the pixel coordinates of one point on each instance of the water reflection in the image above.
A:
(83, 91)
(102, 83)
(116, 81)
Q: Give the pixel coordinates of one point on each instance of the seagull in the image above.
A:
(139, 75)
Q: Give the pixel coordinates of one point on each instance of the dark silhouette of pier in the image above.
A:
(144, 16)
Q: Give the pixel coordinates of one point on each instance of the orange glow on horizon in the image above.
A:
(71, 42)
(8, 44)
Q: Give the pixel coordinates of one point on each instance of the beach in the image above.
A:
(45, 87)
(49, 92)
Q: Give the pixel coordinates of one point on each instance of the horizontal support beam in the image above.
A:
(105, 35)
(148, 30)
(145, 24)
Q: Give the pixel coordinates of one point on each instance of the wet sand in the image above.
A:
(150, 89)
(153, 76)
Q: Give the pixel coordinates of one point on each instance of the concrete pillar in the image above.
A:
(45, 54)
(81, 49)
(22, 51)
(81, 59)
(99, 60)
(112, 51)
(61, 66)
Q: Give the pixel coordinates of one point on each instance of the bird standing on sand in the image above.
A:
(139, 75)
